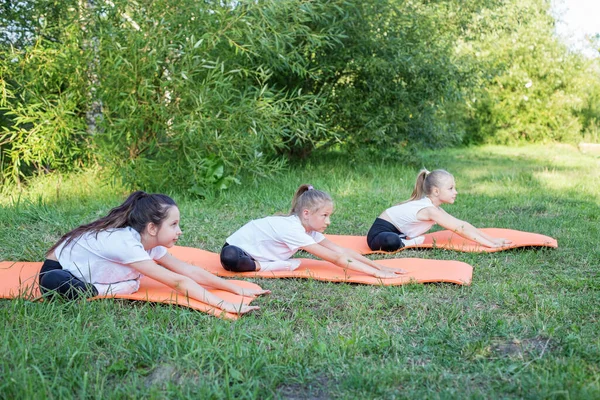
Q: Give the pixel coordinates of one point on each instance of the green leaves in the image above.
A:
(211, 178)
(160, 92)
(42, 101)
(531, 86)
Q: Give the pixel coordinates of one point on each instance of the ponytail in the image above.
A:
(307, 197)
(418, 189)
(137, 211)
(426, 181)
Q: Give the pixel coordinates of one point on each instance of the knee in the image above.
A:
(391, 242)
(386, 241)
(53, 280)
(235, 260)
(229, 257)
(63, 283)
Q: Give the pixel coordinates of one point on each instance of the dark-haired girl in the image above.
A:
(109, 256)
(267, 244)
(403, 224)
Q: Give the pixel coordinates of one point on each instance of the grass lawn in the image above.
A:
(527, 327)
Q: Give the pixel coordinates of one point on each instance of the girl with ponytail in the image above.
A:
(403, 224)
(267, 244)
(109, 256)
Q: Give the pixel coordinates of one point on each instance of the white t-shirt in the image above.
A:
(273, 238)
(404, 217)
(103, 259)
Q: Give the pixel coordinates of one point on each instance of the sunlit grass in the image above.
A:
(526, 328)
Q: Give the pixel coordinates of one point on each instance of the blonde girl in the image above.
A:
(267, 244)
(403, 224)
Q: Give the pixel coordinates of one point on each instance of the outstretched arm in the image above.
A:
(187, 286)
(205, 278)
(460, 227)
(346, 261)
(501, 242)
(357, 256)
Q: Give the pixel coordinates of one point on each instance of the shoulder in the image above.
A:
(425, 201)
(120, 240)
(291, 225)
(289, 221)
(431, 213)
(122, 234)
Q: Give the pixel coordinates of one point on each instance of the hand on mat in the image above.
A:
(501, 242)
(385, 275)
(247, 292)
(239, 308)
(394, 271)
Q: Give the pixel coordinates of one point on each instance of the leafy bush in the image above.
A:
(193, 95)
(185, 94)
(532, 88)
(386, 84)
(43, 98)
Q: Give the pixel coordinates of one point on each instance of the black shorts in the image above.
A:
(383, 235)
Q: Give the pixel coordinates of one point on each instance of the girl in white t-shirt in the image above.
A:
(403, 224)
(267, 244)
(109, 256)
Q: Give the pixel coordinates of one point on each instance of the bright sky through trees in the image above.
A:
(577, 20)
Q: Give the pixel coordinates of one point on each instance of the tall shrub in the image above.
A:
(386, 82)
(532, 89)
(187, 102)
(43, 90)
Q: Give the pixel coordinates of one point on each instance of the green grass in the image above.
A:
(526, 328)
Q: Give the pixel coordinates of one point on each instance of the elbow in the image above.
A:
(343, 260)
(181, 284)
(464, 227)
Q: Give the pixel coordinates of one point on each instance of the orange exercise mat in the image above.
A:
(418, 270)
(19, 279)
(449, 240)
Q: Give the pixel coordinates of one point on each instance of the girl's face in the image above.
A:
(446, 193)
(169, 230)
(317, 220)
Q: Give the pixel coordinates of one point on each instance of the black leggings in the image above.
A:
(236, 260)
(53, 279)
(384, 236)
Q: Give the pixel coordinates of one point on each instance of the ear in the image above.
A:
(152, 229)
(305, 212)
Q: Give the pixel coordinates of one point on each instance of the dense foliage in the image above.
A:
(187, 94)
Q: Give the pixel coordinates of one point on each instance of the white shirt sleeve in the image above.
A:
(318, 236)
(158, 252)
(119, 246)
(104, 257)
(295, 237)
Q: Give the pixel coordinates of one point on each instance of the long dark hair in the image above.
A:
(137, 211)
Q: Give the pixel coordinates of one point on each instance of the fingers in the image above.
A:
(385, 275)
(255, 292)
(395, 270)
(504, 241)
(247, 309)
